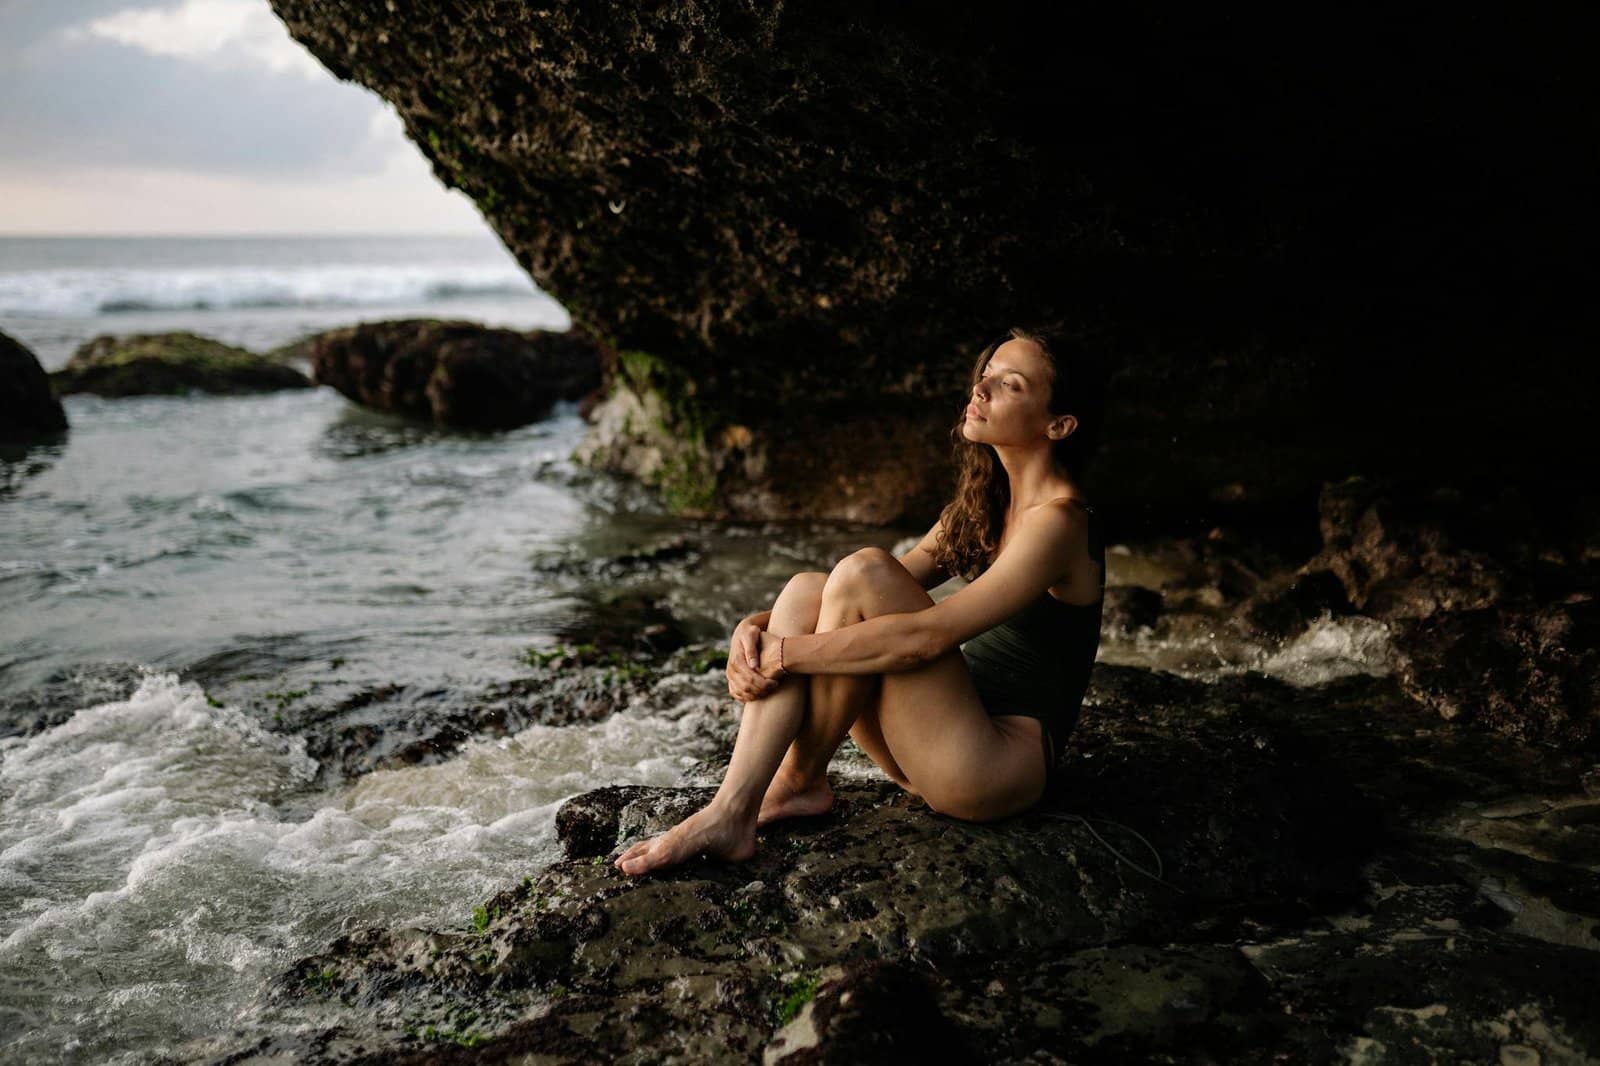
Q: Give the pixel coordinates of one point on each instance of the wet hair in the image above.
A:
(975, 517)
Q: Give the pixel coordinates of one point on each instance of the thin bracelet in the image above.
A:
(783, 671)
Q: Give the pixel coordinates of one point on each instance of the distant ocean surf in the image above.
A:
(258, 292)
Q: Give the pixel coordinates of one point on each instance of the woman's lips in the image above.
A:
(972, 412)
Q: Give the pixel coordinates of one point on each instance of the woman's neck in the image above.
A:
(1033, 478)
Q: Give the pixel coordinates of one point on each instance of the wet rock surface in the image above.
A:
(63, 693)
(1341, 874)
(455, 373)
(354, 727)
(29, 408)
(161, 363)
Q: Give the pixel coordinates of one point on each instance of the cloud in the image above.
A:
(213, 86)
(214, 32)
(119, 116)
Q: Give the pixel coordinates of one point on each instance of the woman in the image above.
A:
(976, 730)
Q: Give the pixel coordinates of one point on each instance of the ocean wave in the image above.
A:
(66, 292)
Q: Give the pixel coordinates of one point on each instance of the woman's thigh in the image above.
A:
(960, 759)
(946, 747)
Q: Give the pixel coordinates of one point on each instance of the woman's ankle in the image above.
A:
(738, 808)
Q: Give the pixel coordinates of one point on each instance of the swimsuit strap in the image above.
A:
(1096, 548)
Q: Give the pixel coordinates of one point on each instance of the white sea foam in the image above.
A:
(73, 291)
(148, 885)
(1330, 648)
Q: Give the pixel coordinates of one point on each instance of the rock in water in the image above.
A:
(456, 373)
(28, 407)
(165, 363)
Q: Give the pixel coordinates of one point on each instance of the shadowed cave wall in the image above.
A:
(1310, 247)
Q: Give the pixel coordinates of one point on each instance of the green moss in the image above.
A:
(190, 348)
(796, 995)
(435, 1034)
(686, 479)
(168, 363)
(322, 980)
(619, 666)
(482, 916)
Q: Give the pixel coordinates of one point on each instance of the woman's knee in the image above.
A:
(800, 603)
(866, 566)
(807, 581)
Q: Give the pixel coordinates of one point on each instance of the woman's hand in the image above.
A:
(745, 680)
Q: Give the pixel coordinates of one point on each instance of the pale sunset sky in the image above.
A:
(196, 117)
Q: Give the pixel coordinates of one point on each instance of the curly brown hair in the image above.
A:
(974, 519)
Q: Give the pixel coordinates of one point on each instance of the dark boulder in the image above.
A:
(29, 408)
(1286, 604)
(455, 373)
(1490, 595)
(169, 363)
(1531, 672)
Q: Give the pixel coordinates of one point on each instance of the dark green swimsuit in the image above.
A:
(1036, 663)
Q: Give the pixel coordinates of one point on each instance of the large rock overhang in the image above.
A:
(1315, 248)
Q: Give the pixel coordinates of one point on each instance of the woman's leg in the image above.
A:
(726, 827)
(840, 704)
(939, 738)
(927, 727)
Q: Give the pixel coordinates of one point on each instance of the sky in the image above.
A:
(196, 117)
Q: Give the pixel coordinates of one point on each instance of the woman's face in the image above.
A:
(1010, 403)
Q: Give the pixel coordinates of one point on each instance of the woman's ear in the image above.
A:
(1061, 428)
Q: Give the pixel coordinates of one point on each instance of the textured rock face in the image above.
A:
(153, 363)
(1309, 250)
(1490, 597)
(29, 408)
(455, 373)
(1341, 873)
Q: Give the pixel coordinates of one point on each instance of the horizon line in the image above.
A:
(257, 234)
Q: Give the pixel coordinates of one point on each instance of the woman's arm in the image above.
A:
(919, 561)
(1044, 542)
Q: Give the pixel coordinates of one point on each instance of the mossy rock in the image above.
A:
(171, 363)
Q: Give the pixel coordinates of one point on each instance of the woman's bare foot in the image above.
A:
(709, 831)
(787, 798)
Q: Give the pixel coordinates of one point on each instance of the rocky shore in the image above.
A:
(1241, 869)
(1337, 873)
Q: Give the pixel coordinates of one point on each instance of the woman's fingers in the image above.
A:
(746, 682)
(745, 686)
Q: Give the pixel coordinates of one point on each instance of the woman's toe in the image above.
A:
(632, 853)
